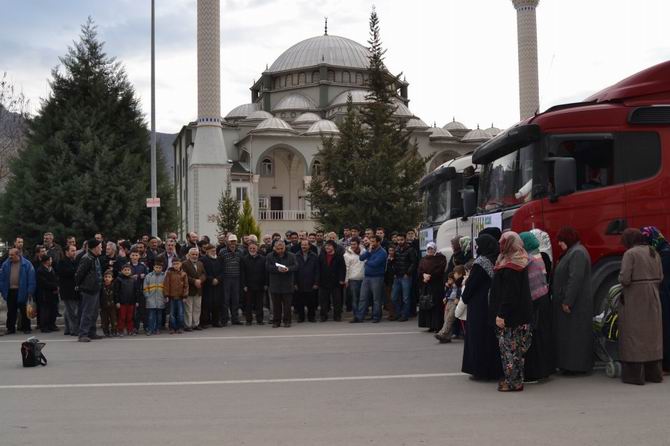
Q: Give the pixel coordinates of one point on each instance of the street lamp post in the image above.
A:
(154, 192)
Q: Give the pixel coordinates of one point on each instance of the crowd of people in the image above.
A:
(522, 312)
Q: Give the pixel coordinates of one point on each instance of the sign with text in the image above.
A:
(153, 202)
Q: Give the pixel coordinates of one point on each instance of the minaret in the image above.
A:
(208, 165)
(529, 100)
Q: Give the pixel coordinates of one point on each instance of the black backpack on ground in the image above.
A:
(31, 353)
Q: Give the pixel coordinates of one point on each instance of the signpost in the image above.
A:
(153, 202)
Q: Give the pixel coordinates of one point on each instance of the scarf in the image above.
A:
(530, 243)
(487, 251)
(512, 255)
(465, 244)
(654, 238)
(545, 242)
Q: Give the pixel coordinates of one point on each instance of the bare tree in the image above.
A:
(13, 119)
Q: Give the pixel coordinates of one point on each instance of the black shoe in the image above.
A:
(8, 332)
(95, 337)
(217, 325)
(337, 318)
(355, 321)
(197, 328)
(376, 321)
(312, 319)
(187, 329)
(260, 323)
(54, 328)
(287, 325)
(84, 339)
(301, 320)
(324, 319)
(402, 319)
(26, 331)
(248, 323)
(237, 323)
(275, 325)
(46, 330)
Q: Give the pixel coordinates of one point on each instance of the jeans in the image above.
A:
(371, 286)
(402, 285)
(354, 290)
(71, 316)
(89, 313)
(176, 314)
(154, 317)
(231, 299)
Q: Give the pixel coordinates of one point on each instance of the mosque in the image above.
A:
(268, 148)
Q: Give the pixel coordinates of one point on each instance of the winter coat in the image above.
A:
(47, 284)
(435, 266)
(107, 299)
(125, 290)
(88, 277)
(66, 270)
(574, 330)
(406, 260)
(278, 282)
(510, 297)
(164, 258)
(107, 263)
(253, 275)
(308, 272)
(194, 271)
(355, 266)
(640, 319)
(153, 290)
(27, 280)
(332, 274)
(375, 262)
(175, 285)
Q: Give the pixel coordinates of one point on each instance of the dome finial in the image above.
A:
(325, 31)
(434, 124)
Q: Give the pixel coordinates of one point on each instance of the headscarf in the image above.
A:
(512, 254)
(456, 244)
(487, 252)
(530, 243)
(568, 235)
(493, 232)
(652, 235)
(466, 244)
(431, 245)
(545, 242)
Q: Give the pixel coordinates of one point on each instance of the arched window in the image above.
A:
(316, 168)
(359, 79)
(346, 77)
(276, 83)
(331, 75)
(294, 79)
(267, 168)
(302, 79)
(316, 77)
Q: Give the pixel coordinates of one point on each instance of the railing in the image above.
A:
(267, 214)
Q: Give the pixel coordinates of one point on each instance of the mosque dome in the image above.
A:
(322, 127)
(306, 119)
(274, 125)
(258, 115)
(357, 97)
(242, 111)
(437, 133)
(401, 109)
(454, 125)
(294, 101)
(493, 131)
(476, 135)
(333, 50)
(416, 124)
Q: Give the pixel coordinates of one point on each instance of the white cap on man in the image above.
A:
(232, 238)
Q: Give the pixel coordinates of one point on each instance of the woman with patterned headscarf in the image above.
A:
(540, 356)
(654, 238)
(512, 306)
(572, 305)
(545, 248)
(481, 355)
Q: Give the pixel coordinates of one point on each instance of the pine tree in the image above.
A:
(85, 165)
(371, 173)
(247, 224)
(228, 215)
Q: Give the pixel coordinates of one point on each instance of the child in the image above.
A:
(175, 288)
(107, 305)
(138, 271)
(451, 300)
(155, 301)
(125, 295)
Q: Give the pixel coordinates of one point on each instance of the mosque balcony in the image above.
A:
(285, 215)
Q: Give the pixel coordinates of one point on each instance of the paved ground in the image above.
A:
(316, 384)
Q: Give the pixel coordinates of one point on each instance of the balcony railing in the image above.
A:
(267, 214)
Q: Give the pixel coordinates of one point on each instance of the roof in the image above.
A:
(654, 81)
(402, 109)
(332, 50)
(357, 97)
(295, 101)
(242, 111)
(273, 125)
(306, 118)
(322, 126)
(454, 125)
(436, 132)
(476, 135)
(259, 115)
(416, 124)
(493, 131)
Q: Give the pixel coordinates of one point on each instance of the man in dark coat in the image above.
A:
(332, 272)
(254, 283)
(281, 267)
(307, 279)
(212, 292)
(231, 258)
(66, 270)
(88, 279)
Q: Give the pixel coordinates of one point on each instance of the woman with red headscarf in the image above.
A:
(512, 305)
(573, 305)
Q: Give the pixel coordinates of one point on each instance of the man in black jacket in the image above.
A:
(66, 270)
(212, 291)
(281, 267)
(254, 283)
(307, 279)
(332, 272)
(404, 269)
(88, 279)
(231, 258)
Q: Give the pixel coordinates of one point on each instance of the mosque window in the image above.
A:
(267, 169)
(359, 79)
(316, 168)
(294, 79)
(316, 77)
(346, 77)
(302, 79)
(331, 75)
(276, 83)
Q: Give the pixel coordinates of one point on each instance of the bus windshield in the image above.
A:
(507, 181)
(438, 202)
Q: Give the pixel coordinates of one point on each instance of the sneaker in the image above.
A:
(84, 339)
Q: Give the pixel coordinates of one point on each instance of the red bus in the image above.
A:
(600, 166)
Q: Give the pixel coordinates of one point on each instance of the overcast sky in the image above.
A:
(458, 56)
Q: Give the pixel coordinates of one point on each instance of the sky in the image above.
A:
(460, 57)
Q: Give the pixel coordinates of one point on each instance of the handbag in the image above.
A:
(425, 300)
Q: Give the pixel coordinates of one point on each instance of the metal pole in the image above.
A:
(154, 192)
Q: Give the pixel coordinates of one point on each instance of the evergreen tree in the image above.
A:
(371, 173)
(247, 224)
(85, 164)
(228, 215)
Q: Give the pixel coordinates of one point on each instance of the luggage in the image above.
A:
(31, 353)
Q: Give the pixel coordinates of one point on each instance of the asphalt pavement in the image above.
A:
(312, 384)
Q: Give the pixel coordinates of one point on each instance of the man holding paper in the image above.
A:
(281, 266)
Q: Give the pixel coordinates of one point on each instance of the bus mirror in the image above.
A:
(565, 176)
(469, 202)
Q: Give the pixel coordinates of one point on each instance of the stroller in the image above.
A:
(606, 333)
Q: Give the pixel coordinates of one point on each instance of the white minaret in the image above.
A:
(529, 96)
(208, 165)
